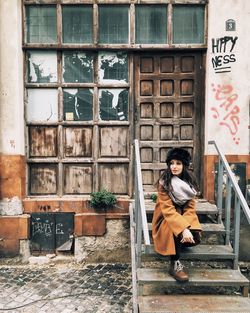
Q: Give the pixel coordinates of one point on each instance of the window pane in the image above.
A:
(77, 24)
(113, 67)
(41, 24)
(113, 24)
(151, 24)
(42, 105)
(188, 24)
(113, 104)
(77, 67)
(41, 67)
(78, 104)
(43, 179)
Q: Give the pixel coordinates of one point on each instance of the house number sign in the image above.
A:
(230, 25)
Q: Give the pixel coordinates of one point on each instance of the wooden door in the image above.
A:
(169, 110)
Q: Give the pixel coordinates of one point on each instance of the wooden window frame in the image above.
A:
(95, 124)
(59, 47)
(131, 45)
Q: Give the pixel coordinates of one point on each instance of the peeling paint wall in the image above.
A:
(11, 78)
(228, 76)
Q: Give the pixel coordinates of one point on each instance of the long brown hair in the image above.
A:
(186, 175)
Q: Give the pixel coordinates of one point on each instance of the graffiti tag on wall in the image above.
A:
(223, 48)
(226, 110)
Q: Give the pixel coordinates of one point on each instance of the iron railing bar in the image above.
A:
(236, 231)
(228, 210)
(133, 261)
(219, 190)
(234, 183)
(137, 201)
(141, 194)
(138, 237)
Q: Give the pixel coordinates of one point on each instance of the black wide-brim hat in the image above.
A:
(180, 155)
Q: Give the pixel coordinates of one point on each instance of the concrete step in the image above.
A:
(201, 252)
(160, 279)
(202, 208)
(193, 304)
(213, 228)
(206, 228)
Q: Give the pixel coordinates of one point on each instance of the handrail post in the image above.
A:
(136, 207)
(236, 231)
(228, 210)
(138, 238)
(133, 261)
(219, 189)
(142, 215)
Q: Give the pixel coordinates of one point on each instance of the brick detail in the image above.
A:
(71, 205)
(90, 224)
(209, 171)
(12, 176)
(12, 229)
(9, 247)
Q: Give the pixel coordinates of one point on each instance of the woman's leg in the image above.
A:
(176, 268)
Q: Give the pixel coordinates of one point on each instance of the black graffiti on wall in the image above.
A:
(223, 53)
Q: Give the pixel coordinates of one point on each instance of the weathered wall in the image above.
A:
(114, 246)
(228, 77)
(12, 162)
(13, 225)
(11, 78)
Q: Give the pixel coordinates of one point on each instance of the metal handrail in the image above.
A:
(140, 210)
(239, 202)
(233, 181)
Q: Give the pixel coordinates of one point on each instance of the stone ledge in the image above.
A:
(48, 205)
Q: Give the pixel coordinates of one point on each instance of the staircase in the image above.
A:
(215, 279)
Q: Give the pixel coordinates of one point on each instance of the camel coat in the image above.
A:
(168, 222)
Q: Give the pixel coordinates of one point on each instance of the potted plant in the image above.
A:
(102, 200)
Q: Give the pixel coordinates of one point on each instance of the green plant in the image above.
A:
(102, 199)
(153, 197)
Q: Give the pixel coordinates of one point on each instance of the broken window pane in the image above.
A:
(78, 104)
(113, 104)
(113, 24)
(188, 24)
(41, 67)
(77, 67)
(151, 24)
(41, 24)
(77, 24)
(113, 67)
(42, 105)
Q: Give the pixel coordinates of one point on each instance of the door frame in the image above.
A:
(199, 97)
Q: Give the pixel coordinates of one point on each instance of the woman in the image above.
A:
(175, 222)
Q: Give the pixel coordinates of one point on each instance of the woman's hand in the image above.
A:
(187, 236)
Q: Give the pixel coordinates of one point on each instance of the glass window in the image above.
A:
(113, 24)
(77, 67)
(42, 105)
(151, 24)
(113, 67)
(113, 104)
(78, 104)
(188, 24)
(41, 67)
(77, 24)
(41, 24)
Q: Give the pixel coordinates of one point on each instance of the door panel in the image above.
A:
(168, 109)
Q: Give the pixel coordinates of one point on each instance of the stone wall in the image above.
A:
(114, 246)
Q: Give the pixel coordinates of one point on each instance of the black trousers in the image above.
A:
(179, 245)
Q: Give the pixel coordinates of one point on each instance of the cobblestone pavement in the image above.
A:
(66, 288)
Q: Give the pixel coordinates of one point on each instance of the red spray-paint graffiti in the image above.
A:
(227, 111)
